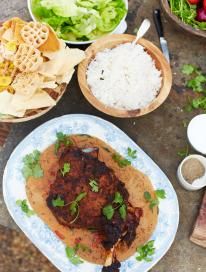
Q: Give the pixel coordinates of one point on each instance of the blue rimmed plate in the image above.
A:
(38, 232)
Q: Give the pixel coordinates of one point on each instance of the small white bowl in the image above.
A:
(198, 183)
(120, 29)
(196, 133)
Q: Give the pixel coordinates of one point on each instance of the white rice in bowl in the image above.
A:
(124, 77)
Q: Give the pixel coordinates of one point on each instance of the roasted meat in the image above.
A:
(84, 168)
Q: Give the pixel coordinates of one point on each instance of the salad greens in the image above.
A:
(187, 13)
(80, 20)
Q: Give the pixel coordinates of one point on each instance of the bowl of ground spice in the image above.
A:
(192, 172)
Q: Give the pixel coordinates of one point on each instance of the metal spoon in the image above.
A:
(142, 30)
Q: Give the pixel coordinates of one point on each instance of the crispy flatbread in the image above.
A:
(135, 181)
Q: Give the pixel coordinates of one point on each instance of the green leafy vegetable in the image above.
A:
(145, 252)
(81, 19)
(66, 168)
(131, 153)
(24, 207)
(71, 255)
(120, 161)
(58, 202)
(74, 206)
(123, 211)
(32, 167)
(94, 185)
(153, 202)
(187, 13)
(198, 84)
(62, 139)
(183, 153)
(108, 212)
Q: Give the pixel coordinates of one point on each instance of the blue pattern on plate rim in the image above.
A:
(38, 232)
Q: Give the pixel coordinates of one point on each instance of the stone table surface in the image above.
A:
(161, 133)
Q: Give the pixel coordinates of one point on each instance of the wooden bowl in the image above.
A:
(178, 22)
(112, 41)
(33, 114)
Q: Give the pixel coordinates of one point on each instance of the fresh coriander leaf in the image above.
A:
(24, 207)
(153, 203)
(199, 103)
(118, 199)
(73, 208)
(196, 84)
(188, 69)
(94, 185)
(66, 168)
(146, 251)
(80, 196)
(160, 193)
(123, 211)
(147, 196)
(131, 153)
(120, 161)
(37, 171)
(62, 139)
(58, 202)
(32, 167)
(108, 212)
(184, 152)
(71, 255)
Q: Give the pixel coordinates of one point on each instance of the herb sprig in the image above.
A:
(94, 185)
(197, 83)
(109, 210)
(146, 251)
(159, 194)
(122, 162)
(58, 202)
(24, 207)
(74, 206)
(65, 169)
(131, 153)
(71, 255)
(62, 139)
(32, 167)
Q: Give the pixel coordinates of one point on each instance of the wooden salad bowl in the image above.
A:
(178, 22)
(33, 114)
(112, 41)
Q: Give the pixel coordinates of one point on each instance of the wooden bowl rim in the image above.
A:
(123, 38)
(40, 112)
(178, 21)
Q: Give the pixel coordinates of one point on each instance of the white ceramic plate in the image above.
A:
(120, 29)
(36, 230)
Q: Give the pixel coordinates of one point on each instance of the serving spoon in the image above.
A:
(142, 30)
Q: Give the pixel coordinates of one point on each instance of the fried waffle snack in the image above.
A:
(27, 58)
(35, 34)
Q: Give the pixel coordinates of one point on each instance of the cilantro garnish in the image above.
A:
(123, 211)
(58, 202)
(94, 185)
(145, 252)
(109, 210)
(62, 139)
(32, 167)
(24, 207)
(131, 153)
(74, 206)
(65, 169)
(122, 162)
(197, 83)
(183, 152)
(71, 255)
(118, 199)
(159, 194)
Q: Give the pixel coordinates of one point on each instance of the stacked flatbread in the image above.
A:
(32, 61)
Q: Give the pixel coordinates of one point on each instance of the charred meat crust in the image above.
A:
(83, 168)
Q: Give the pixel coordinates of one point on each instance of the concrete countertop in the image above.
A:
(161, 133)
